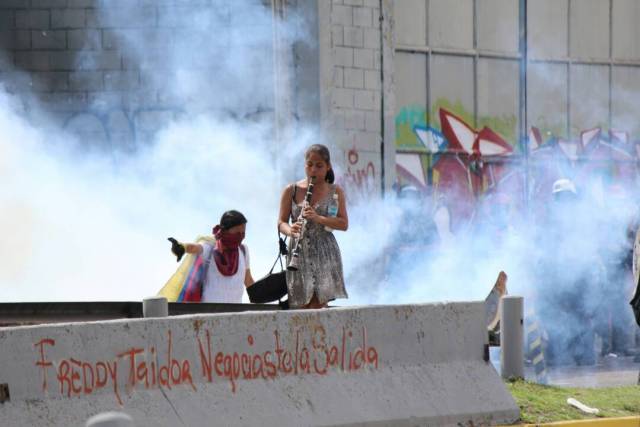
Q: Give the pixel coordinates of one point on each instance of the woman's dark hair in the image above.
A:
(323, 151)
(231, 218)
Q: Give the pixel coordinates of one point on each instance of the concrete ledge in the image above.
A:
(399, 365)
(594, 422)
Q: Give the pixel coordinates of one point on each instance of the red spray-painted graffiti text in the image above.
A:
(359, 174)
(80, 377)
(302, 360)
(144, 368)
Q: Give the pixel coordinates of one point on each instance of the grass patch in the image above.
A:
(544, 404)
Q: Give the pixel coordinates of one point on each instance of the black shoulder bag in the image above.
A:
(273, 286)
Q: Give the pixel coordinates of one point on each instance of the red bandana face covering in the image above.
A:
(226, 252)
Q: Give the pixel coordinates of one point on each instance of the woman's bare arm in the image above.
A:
(192, 248)
(248, 279)
(285, 212)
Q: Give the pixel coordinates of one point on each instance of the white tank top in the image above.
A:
(219, 288)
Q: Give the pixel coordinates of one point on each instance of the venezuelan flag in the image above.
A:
(185, 285)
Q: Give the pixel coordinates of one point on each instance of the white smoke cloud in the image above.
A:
(79, 225)
(82, 223)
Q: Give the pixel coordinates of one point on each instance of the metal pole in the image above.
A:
(522, 110)
(155, 307)
(382, 106)
(110, 419)
(511, 337)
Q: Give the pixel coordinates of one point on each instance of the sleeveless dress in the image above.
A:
(320, 263)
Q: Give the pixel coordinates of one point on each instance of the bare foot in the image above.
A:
(501, 283)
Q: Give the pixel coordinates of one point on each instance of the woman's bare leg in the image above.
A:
(314, 303)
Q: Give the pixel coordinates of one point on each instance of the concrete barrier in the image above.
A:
(399, 365)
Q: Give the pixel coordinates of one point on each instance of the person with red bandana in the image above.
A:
(217, 269)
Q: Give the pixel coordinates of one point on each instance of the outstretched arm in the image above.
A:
(179, 249)
(193, 248)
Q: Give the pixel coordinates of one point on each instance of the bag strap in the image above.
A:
(282, 250)
(282, 242)
(274, 264)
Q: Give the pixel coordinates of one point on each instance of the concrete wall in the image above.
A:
(460, 55)
(464, 55)
(400, 365)
(94, 65)
(357, 103)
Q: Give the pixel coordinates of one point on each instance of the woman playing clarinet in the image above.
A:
(314, 276)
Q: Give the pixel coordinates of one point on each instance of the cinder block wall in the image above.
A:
(72, 58)
(357, 45)
(60, 51)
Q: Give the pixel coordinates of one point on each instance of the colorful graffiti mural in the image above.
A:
(457, 164)
(461, 167)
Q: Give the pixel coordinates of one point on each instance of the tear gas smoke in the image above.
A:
(84, 223)
(78, 225)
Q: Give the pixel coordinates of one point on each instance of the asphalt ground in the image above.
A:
(609, 371)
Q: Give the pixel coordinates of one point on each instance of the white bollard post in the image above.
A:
(512, 337)
(155, 307)
(110, 419)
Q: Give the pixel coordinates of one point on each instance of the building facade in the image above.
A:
(373, 76)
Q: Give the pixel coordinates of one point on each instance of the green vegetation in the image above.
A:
(543, 404)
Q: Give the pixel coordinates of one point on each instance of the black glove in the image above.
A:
(177, 248)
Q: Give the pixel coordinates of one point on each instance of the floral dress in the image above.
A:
(320, 263)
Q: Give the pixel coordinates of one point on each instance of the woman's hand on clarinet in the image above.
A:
(296, 227)
(310, 214)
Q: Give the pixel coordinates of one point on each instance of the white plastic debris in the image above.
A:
(584, 408)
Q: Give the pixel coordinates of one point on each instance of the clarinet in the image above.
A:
(295, 253)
